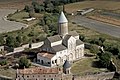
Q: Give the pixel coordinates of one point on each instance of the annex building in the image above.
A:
(59, 48)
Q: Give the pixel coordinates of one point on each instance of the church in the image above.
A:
(66, 46)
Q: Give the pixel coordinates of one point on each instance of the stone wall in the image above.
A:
(21, 48)
(36, 45)
(101, 76)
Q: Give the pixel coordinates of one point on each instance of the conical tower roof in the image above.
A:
(62, 18)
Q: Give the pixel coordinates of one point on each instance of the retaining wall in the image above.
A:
(101, 76)
(22, 48)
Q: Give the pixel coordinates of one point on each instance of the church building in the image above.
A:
(59, 48)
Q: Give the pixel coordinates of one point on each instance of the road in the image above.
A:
(98, 26)
(7, 26)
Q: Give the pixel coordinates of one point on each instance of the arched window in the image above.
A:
(59, 60)
(71, 56)
(65, 58)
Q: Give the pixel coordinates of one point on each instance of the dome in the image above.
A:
(66, 64)
(62, 18)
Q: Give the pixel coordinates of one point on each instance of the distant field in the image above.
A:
(16, 4)
(109, 5)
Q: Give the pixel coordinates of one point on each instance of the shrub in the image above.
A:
(105, 59)
(24, 62)
(94, 49)
(3, 62)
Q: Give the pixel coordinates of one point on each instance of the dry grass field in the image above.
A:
(106, 19)
(16, 4)
(85, 66)
(109, 5)
(8, 72)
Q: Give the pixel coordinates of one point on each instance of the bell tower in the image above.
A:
(62, 25)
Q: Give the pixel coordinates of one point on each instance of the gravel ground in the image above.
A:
(8, 26)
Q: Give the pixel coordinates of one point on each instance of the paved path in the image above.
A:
(98, 26)
(7, 26)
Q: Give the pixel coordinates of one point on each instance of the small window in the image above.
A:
(38, 60)
(27, 76)
(44, 76)
(33, 76)
(60, 52)
(52, 79)
(48, 62)
(55, 61)
(59, 69)
(52, 62)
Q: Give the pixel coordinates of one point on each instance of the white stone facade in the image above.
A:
(59, 48)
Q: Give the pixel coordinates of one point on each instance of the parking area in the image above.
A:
(8, 26)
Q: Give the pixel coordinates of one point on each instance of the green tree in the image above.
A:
(96, 41)
(42, 22)
(19, 39)
(105, 59)
(25, 39)
(94, 49)
(27, 8)
(56, 9)
(102, 39)
(46, 28)
(3, 62)
(10, 41)
(50, 7)
(1, 40)
(24, 62)
(31, 14)
(113, 48)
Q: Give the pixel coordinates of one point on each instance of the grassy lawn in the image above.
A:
(109, 5)
(8, 72)
(19, 16)
(22, 16)
(84, 66)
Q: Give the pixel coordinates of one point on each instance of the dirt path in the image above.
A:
(7, 26)
(98, 26)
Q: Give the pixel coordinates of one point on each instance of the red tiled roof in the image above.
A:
(46, 54)
(38, 70)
